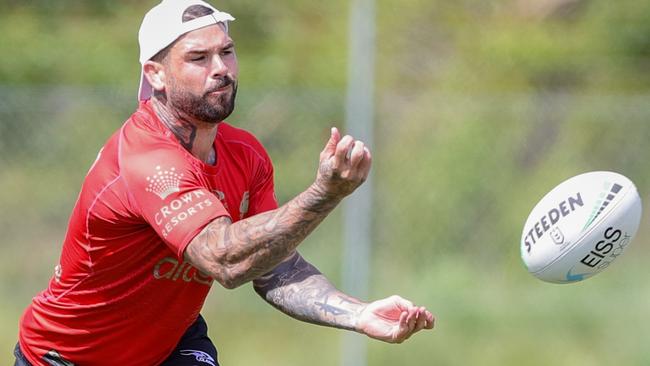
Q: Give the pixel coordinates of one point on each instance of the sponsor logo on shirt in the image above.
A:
(180, 209)
(164, 182)
(169, 268)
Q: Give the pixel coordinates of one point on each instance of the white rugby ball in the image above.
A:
(580, 227)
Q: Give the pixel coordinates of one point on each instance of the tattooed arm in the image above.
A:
(263, 247)
(299, 290)
(235, 253)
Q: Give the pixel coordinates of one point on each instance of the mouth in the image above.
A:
(220, 90)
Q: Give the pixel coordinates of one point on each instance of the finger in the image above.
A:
(409, 324)
(403, 329)
(335, 132)
(365, 163)
(342, 149)
(412, 318)
(413, 313)
(330, 146)
(430, 320)
(357, 153)
(401, 302)
(410, 321)
(421, 321)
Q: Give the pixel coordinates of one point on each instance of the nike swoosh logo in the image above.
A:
(575, 277)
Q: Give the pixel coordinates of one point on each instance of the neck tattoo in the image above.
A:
(184, 130)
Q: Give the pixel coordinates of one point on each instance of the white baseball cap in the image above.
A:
(163, 25)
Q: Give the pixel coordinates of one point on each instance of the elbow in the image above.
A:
(230, 278)
(222, 266)
(229, 283)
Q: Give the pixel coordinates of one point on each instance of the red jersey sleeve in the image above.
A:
(168, 191)
(262, 195)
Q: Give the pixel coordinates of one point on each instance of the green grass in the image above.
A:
(486, 314)
(499, 317)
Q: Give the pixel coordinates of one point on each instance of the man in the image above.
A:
(176, 199)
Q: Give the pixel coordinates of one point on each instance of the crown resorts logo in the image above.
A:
(164, 182)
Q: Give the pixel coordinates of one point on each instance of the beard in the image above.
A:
(206, 107)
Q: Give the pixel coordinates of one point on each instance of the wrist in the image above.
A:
(357, 323)
(319, 199)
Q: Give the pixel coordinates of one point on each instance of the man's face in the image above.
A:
(201, 74)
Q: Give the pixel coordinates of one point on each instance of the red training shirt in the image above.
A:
(122, 294)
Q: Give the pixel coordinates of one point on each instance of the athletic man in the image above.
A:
(177, 199)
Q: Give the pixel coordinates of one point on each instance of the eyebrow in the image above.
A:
(229, 44)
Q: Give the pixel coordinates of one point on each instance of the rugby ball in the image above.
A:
(580, 227)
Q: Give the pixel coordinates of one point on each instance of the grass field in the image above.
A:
(481, 108)
(485, 316)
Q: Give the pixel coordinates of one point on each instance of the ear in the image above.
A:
(155, 74)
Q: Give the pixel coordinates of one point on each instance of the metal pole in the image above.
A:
(357, 209)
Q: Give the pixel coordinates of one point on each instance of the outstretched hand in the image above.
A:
(393, 319)
(344, 165)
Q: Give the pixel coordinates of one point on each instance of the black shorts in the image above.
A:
(194, 349)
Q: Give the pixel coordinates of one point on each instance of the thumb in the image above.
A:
(330, 147)
(401, 302)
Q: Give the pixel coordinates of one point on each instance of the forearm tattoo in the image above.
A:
(249, 248)
(298, 289)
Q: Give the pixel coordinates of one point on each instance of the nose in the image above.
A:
(219, 68)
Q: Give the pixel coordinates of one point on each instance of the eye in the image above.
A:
(228, 51)
(197, 58)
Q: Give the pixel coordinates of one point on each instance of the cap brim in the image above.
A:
(146, 91)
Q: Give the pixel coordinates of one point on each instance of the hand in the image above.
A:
(393, 319)
(344, 165)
